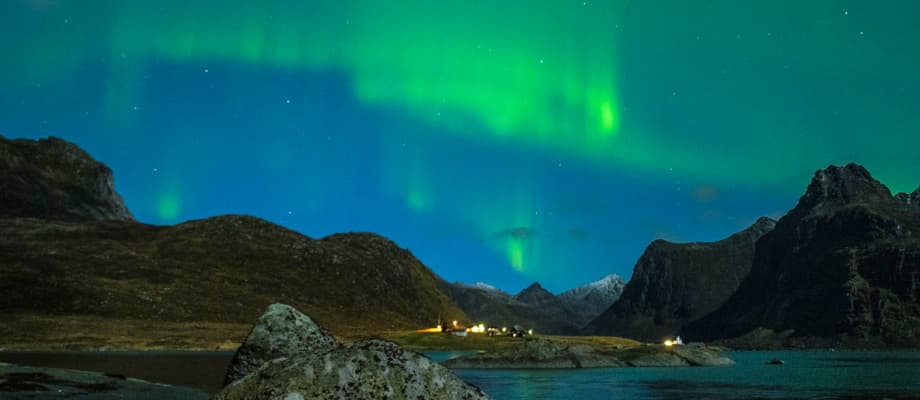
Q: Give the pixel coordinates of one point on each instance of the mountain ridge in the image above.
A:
(675, 283)
(842, 268)
(76, 260)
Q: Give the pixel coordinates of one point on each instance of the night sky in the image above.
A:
(504, 143)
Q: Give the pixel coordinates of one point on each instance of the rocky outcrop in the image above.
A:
(840, 269)
(589, 301)
(55, 179)
(674, 284)
(281, 331)
(314, 366)
(21, 382)
(540, 353)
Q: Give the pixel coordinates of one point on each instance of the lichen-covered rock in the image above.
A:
(370, 369)
(675, 356)
(539, 353)
(281, 331)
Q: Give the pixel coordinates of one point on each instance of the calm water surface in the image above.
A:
(806, 375)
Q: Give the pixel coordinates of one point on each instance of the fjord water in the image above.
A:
(805, 375)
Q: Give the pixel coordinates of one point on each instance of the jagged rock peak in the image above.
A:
(764, 221)
(607, 283)
(846, 184)
(534, 294)
(533, 288)
(55, 179)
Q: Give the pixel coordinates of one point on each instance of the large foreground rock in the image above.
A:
(289, 357)
(539, 353)
(371, 369)
(19, 383)
(281, 332)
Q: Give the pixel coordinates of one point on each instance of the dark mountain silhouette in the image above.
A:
(68, 247)
(676, 283)
(533, 307)
(840, 269)
(52, 178)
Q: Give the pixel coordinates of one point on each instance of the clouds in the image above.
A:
(518, 233)
(524, 233)
(705, 193)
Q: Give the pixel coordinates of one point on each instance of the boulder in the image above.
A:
(369, 369)
(289, 357)
(281, 331)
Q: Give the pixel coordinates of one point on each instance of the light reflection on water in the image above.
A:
(806, 375)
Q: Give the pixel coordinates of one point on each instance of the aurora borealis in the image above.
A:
(503, 142)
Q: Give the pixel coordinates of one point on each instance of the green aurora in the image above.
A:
(747, 96)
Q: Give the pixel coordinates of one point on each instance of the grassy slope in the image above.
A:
(100, 277)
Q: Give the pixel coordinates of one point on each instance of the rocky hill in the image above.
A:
(840, 269)
(52, 178)
(82, 256)
(591, 300)
(676, 283)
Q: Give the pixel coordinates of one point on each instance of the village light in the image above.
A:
(530, 331)
(668, 343)
(504, 329)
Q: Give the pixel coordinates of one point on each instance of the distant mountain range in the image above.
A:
(589, 301)
(535, 306)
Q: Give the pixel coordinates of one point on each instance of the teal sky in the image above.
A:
(505, 143)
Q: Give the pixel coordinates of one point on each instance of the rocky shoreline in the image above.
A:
(539, 353)
(19, 382)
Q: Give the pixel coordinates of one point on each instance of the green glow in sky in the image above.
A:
(484, 117)
(512, 67)
(516, 255)
(168, 207)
